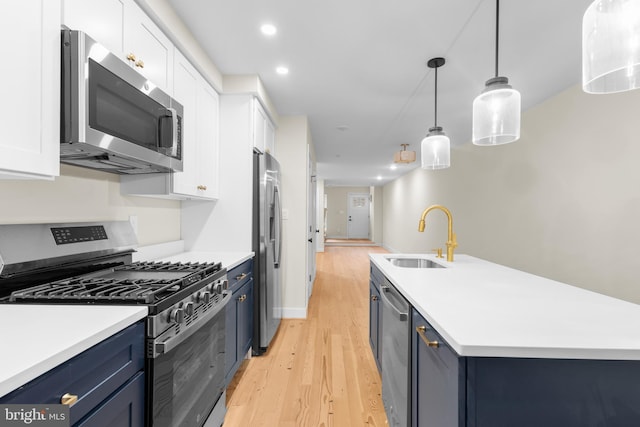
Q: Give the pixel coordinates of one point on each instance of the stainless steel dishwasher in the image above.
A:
(395, 355)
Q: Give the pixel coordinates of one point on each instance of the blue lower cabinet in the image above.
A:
(122, 409)
(449, 390)
(375, 326)
(438, 386)
(239, 318)
(108, 375)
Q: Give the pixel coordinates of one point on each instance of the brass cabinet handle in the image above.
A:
(421, 331)
(139, 63)
(68, 399)
(242, 276)
(242, 298)
(374, 298)
(131, 57)
(202, 187)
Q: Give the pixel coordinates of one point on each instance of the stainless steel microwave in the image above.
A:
(112, 118)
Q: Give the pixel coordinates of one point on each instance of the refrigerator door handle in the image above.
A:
(278, 228)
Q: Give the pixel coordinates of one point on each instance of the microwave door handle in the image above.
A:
(173, 114)
(174, 128)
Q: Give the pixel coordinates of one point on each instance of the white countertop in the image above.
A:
(485, 309)
(228, 259)
(37, 338)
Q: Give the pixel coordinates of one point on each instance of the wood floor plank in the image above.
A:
(318, 371)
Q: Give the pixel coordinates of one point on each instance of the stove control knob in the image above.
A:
(177, 315)
(217, 288)
(188, 309)
(203, 297)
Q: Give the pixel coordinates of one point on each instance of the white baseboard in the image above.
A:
(294, 312)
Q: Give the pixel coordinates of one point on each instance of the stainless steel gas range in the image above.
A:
(90, 263)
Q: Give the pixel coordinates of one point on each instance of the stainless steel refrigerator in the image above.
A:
(267, 245)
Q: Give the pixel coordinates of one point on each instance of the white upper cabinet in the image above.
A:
(123, 28)
(102, 20)
(200, 139)
(263, 130)
(30, 113)
(147, 48)
(200, 132)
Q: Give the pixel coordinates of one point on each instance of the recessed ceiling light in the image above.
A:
(282, 70)
(268, 29)
(379, 178)
(393, 167)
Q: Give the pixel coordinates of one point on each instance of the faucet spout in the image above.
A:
(451, 236)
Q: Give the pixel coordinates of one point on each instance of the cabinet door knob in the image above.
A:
(139, 63)
(421, 331)
(374, 298)
(242, 298)
(202, 187)
(131, 57)
(68, 399)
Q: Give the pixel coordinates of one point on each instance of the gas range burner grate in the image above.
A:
(139, 283)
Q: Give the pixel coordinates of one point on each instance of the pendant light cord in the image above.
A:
(497, 31)
(435, 120)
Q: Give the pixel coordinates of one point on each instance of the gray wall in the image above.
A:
(563, 202)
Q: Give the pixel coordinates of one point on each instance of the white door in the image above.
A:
(358, 216)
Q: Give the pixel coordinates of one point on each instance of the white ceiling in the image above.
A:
(361, 64)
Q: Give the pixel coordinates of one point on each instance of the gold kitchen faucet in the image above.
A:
(451, 236)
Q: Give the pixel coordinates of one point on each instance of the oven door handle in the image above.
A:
(160, 348)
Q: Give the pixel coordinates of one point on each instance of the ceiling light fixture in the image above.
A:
(611, 46)
(404, 156)
(496, 111)
(435, 146)
(268, 29)
(282, 70)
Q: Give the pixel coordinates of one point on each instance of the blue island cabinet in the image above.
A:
(239, 318)
(449, 390)
(107, 379)
(375, 327)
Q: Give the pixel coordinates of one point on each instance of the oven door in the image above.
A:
(187, 372)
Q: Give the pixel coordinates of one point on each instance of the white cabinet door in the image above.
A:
(270, 138)
(102, 20)
(208, 141)
(147, 48)
(185, 89)
(260, 120)
(30, 72)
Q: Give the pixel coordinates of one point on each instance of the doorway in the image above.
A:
(358, 216)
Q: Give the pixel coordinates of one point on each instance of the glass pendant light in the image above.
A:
(435, 148)
(496, 111)
(611, 46)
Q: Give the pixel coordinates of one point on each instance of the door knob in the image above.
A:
(310, 240)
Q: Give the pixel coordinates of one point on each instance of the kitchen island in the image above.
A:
(494, 346)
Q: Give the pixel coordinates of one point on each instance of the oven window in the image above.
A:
(188, 380)
(121, 110)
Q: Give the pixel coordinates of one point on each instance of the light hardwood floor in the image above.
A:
(318, 371)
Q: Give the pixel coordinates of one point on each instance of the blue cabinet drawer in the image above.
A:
(240, 274)
(92, 375)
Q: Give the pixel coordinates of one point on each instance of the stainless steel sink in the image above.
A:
(413, 262)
